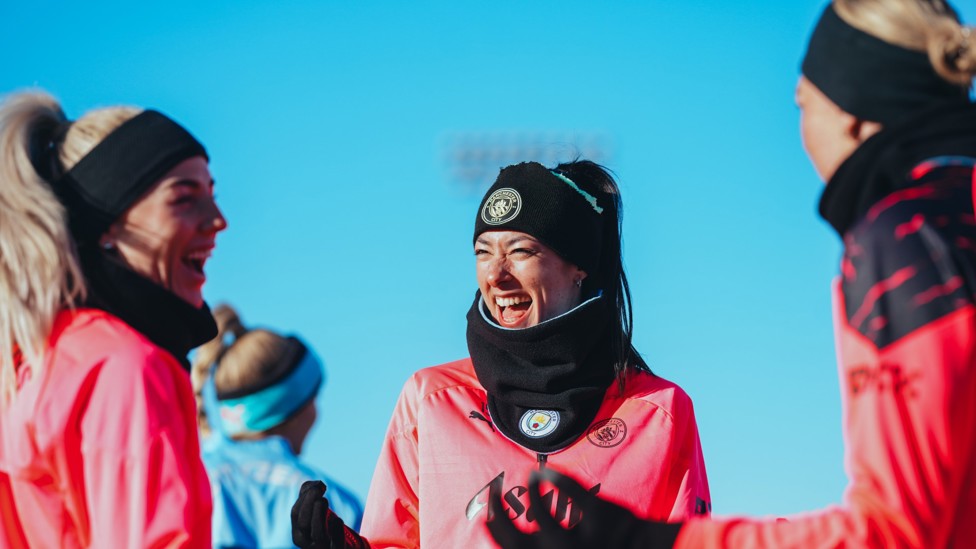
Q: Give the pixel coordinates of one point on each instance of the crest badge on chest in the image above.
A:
(539, 423)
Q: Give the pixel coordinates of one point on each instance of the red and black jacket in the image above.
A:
(905, 320)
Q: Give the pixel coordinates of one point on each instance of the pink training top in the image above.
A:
(102, 449)
(443, 458)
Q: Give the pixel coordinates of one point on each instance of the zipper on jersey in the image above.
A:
(542, 459)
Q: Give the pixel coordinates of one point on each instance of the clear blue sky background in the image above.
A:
(331, 127)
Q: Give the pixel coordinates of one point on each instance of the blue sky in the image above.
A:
(335, 131)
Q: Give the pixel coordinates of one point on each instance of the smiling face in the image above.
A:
(523, 281)
(168, 235)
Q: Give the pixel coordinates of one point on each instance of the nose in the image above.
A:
(215, 220)
(497, 272)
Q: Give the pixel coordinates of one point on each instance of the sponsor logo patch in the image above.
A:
(883, 377)
(516, 498)
(501, 207)
(607, 433)
(539, 423)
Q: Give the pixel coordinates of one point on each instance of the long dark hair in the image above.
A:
(610, 278)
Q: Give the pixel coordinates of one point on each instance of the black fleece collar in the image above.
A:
(882, 164)
(150, 309)
(546, 383)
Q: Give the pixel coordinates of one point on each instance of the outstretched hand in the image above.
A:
(315, 526)
(603, 524)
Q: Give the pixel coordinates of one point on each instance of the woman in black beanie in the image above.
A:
(888, 123)
(553, 381)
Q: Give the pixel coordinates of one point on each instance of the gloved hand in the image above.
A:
(315, 526)
(603, 524)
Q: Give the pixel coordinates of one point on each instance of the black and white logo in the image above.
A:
(501, 207)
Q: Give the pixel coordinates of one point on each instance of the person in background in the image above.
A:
(260, 388)
(553, 382)
(888, 123)
(106, 223)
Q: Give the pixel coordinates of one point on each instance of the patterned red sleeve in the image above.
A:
(906, 326)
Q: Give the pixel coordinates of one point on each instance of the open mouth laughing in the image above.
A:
(512, 311)
(196, 260)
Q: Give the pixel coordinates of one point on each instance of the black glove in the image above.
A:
(315, 526)
(603, 524)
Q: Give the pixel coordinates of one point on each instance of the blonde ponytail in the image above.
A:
(247, 357)
(39, 270)
(229, 329)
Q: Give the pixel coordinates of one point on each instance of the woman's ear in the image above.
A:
(580, 277)
(108, 240)
(859, 129)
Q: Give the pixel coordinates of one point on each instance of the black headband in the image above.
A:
(529, 198)
(870, 78)
(120, 169)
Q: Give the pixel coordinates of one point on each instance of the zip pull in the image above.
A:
(542, 458)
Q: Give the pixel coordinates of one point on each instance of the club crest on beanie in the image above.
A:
(547, 205)
(501, 207)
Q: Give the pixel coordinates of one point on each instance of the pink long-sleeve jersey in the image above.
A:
(100, 449)
(443, 457)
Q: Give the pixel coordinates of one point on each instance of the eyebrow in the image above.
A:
(190, 183)
(508, 243)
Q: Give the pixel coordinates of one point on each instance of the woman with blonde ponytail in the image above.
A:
(888, 122)
(259, 388)
(106, 223)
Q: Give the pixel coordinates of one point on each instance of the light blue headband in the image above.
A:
(273, 405)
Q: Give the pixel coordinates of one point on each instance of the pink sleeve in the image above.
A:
(144, 481)
(688, 471)
(910, 418)
(391, 518)
(11, 532)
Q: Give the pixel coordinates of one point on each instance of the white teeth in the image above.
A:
(509, 301)
(199, 256)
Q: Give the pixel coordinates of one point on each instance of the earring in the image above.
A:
(108, 245)
(579, 283)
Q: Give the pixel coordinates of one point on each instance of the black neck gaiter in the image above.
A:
(545, 384)
(150, 309)
(882, 164)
